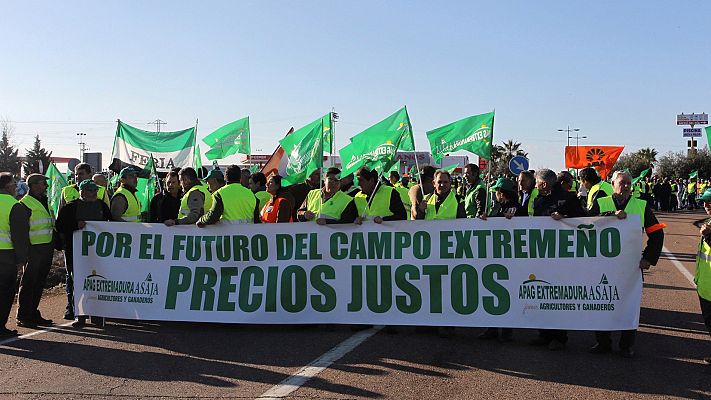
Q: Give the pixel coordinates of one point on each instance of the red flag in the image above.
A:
(276, 164)
(602, 158)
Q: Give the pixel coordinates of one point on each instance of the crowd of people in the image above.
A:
(29, 233)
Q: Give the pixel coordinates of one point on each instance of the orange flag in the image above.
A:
(277, 162)
(602, 158)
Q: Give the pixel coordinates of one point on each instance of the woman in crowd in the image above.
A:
(280, 206)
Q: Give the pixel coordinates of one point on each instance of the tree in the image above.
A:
(502, 154)
(37, 157)
(9, 161)
(680, 164)
(648, 154)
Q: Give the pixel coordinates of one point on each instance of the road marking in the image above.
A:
(35, 333)
(679, 266)
(292, 383)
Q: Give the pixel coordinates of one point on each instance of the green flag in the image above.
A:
(694, 174)
(376, 146)
(641, 176)
(254, 168)
(230, 139)
(146, 187)
(450, 168)
(395, 167)
(170, 149)
(327, 134)
(304, 149)
(56, 183)
(198, 161)
(473, 134)
(708, 136)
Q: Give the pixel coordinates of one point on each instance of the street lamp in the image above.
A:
(82, 145)
(568, 133)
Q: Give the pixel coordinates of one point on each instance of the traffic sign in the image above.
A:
(518, 164)
(692, 132)
(692, 119)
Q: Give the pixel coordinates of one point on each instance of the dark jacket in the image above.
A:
(558, 200)
(67, 223)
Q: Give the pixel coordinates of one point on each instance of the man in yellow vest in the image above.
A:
(401, 186)
(70, 193)
(103, 184)
(443, 203)
(621, 203)
(702, 277)
(196, 200)
(232, 203)
(215, 180)
(423, 188)
(377, 201)
(14, 246)
(35, 272)
(328, 205)
(125, 206)
(596, 187)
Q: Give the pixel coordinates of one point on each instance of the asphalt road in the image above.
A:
(132, 359)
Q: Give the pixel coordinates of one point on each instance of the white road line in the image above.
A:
(292, 383)
(679, 266)
(35, 333)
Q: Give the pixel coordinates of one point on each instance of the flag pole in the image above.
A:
(332, 142)
(195, 148)
(488, 166)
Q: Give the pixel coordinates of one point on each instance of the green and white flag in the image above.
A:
(146, 187)
(56, 182)
(230, 139)
(304, 149)
(694, 174)
(198, 161)
(473, 134)
(133, 147)
(450, 168)
(377, 146)
(327, 133)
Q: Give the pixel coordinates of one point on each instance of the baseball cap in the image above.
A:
(214, 173)
(507, 185)
(706, 196)
(128, 171)
(88, 184)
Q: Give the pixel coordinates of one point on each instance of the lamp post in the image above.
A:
(568, 130)
(82, 145)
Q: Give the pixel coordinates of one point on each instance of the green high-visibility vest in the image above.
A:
(331, 208)
(6, 204)
(470, 199)
(41, 222)
(133, 209)
(379, 206)
(447, 210)
(600, 185)
(263, 198)
(185, 209)
(238, 204)
(634, 206)
(533, 196)
(702, 278)
(71, 193)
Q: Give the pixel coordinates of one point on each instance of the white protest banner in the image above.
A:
(528, 272)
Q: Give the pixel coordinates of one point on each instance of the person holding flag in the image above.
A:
(125, 206)
(377, 201)
(475, 194)
(195, 201)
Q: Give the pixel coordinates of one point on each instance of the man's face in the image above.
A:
(213, 185)
(500, 196)
(707, 207)
(469, 175)
(442, 184)
(366, 185)
(622, 185)
(130, 180)
(186, 182)
(172, 184)
(88, 194)
(524, 183)
(39, 188)
(332, 184)
(81, 174)
(314, 178)
(543, 186)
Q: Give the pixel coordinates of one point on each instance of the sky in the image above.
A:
(618, 71)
